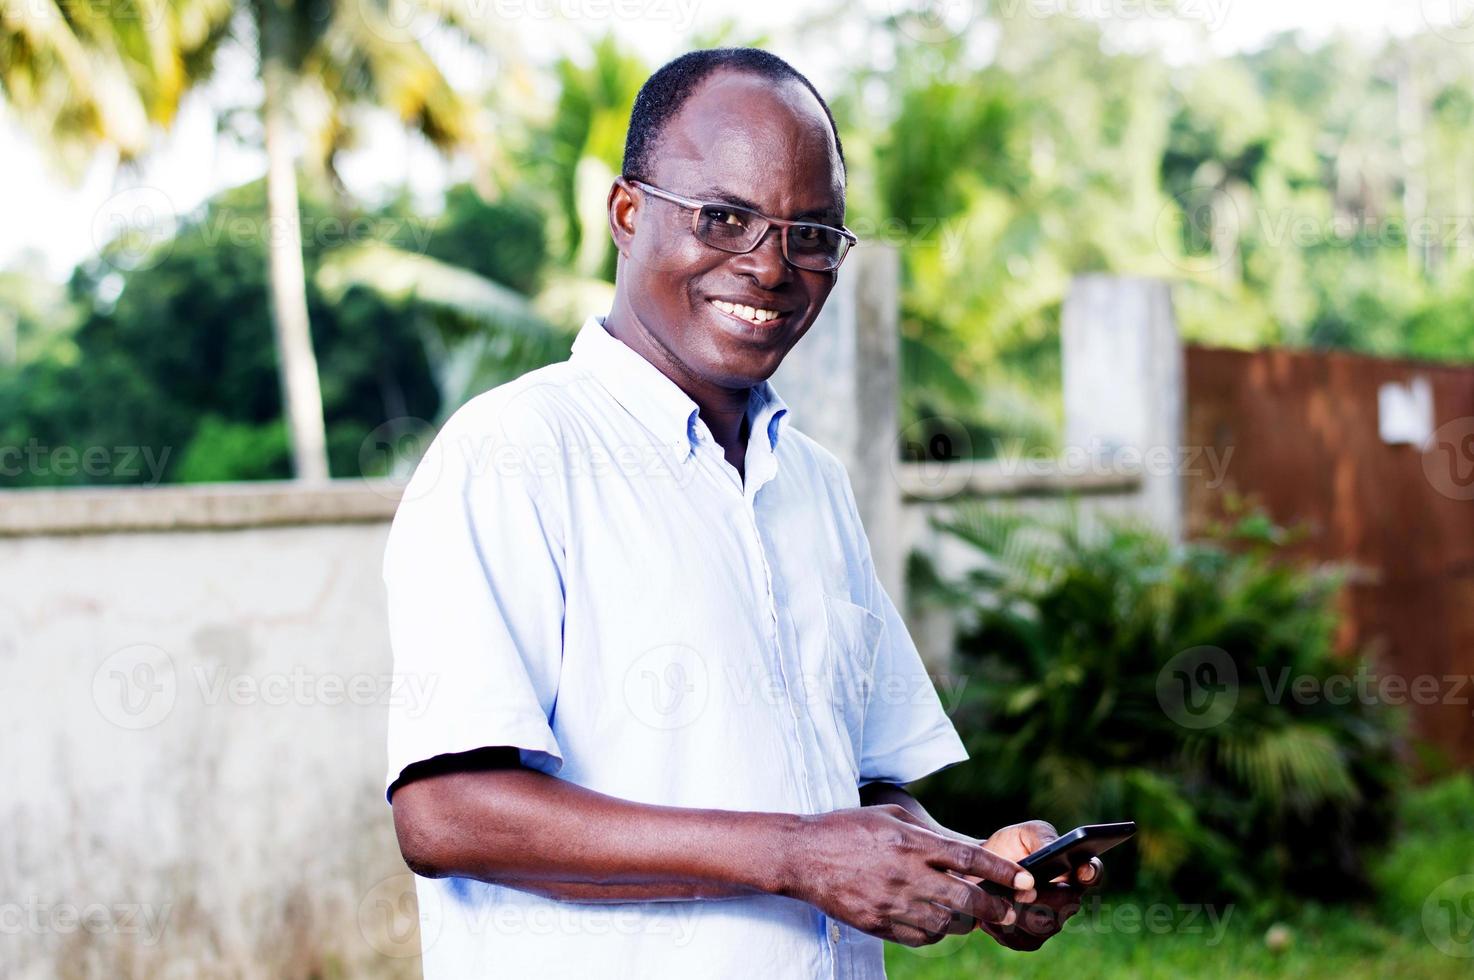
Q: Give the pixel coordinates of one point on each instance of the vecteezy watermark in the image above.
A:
(1016, 457)
(398, 21)
(149, 16)
(37, 917)
(673, 922)
(1096, 915)
(859, 689)
(934, 21)
(397, 451)
(243, 228)
(1448, 460)
(1200, 687)
(135, 228)
(1452, 20)
(135, 687)
(667, 687)
(945, 233)
(394, 922)
(397, 919)
(37, 459)
(1448, 917)
(1210, 13)
(138, 686)
(304, 688)
(926, 455)
(1199, 229)
(1365, 687)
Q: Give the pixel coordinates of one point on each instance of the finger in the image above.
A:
(1089, 873)
(1040, 919)
(974, 860)
(1048, 915)
(963, 897)
(901, 813)
(926, 917)
(1041, 831)
(961, 924)
(908, 935)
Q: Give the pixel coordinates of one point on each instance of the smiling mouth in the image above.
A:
(754, 315)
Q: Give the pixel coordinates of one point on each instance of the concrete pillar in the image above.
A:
(1123, 387)
(842, 385)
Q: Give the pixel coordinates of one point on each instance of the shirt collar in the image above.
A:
(656, 401)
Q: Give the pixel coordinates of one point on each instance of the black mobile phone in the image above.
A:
(1068, 851)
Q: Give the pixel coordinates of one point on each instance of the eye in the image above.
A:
(723, 217)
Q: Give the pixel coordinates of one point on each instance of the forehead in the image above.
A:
(764, 140)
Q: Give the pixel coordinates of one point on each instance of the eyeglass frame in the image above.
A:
(783, 224)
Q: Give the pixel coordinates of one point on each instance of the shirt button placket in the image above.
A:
(776, 642)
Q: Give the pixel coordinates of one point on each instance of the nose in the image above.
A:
(765, 264)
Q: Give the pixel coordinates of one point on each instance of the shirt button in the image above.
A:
(834, 932)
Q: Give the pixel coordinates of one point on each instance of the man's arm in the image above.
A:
(876, 867)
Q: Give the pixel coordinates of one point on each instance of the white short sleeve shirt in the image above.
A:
(577, 572)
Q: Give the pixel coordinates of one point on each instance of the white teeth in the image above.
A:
(748, 313)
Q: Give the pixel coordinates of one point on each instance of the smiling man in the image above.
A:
(674, 710)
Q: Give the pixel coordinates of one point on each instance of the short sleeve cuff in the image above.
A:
(937, 751)
(537, 748)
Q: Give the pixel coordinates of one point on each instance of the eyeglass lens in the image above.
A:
(733, 229)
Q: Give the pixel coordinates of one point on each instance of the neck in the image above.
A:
(724, 410)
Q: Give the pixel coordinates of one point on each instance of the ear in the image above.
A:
(622, 210)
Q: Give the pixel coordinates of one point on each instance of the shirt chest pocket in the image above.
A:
(852, 640)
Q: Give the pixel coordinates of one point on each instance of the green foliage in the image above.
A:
(1271, 189)
(1434, 845)
(176, 356)
(1069, 649)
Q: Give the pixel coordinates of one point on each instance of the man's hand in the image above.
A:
(885, 872)
(1056, 901)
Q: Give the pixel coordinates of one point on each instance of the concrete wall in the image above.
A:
(193, 729)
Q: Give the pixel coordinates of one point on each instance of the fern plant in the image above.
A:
(1074, 647)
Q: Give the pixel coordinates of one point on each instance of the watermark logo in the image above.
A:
(1448, 461)
(134, 229)
(392, 920)
(135, 687)
(929, 449)
(1452, 20)
(1199, 228)
(667, 687)
(397, 21)
(933, 21)
(1448, 917)
(394, 451)
(1199, 687)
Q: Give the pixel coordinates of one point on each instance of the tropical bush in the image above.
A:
(1076, 648)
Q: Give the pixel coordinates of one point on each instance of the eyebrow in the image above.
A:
(718, 195)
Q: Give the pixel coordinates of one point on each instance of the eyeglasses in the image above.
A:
(806, 244)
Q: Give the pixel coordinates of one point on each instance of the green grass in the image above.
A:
(1128, 936)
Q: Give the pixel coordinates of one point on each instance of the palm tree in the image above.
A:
(85, 77)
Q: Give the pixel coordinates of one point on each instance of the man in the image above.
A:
(675, 711)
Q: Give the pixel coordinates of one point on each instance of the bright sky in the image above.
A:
(65, 223)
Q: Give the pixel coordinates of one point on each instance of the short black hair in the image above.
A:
(664, 92)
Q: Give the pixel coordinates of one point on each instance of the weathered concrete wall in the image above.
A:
(193, 730)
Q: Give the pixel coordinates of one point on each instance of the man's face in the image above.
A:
(750, 142)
